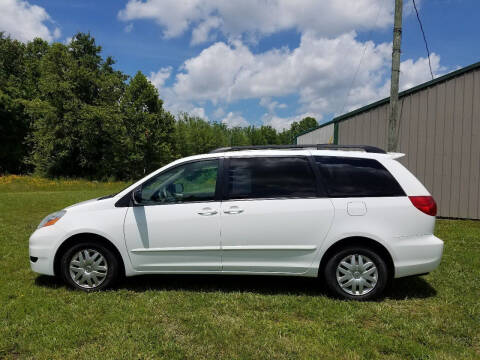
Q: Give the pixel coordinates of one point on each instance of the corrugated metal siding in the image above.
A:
(440, 133)
(323, 135)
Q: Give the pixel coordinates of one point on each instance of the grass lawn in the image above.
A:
(224, 317)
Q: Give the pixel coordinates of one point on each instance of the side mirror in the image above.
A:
(137, 196)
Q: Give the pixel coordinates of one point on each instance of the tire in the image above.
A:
(363, 277)
(89, 266)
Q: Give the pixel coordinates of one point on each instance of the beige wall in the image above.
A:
(323, 135)
(440, 135)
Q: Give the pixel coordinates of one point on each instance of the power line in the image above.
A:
(424, 38)
(361, 59)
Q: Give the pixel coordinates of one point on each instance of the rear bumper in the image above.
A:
(418, 255)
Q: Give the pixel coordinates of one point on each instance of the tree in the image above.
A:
(147, 129)
(55, 114)
(66, 111)
(237, 137)
(297, 128)
(13, 126)
(76, 118)
(34, 52)
(194, 135)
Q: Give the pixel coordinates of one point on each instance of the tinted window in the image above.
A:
(270, 177)
(354, 177)
(195, 181)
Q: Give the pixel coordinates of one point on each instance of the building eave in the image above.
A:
(404, 93)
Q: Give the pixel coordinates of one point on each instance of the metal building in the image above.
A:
(439, 131)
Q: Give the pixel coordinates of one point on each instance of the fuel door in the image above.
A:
(356, 208)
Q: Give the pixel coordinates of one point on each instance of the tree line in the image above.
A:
(65, 111)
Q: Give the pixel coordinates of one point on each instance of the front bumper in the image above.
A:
(417, 255)
(42, 247)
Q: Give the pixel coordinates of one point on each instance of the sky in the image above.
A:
(260, 62)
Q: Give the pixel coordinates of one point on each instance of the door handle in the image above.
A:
(233, 210)
(207, 212)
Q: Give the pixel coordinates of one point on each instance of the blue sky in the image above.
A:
(260, 62)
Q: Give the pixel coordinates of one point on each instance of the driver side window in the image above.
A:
(195, 181)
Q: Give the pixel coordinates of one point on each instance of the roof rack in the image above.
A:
(366, 148)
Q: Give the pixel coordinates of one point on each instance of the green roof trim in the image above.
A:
(335, 133)
(384, 101)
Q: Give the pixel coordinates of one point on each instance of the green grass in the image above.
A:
(198, 317)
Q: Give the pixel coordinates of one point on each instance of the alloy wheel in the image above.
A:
(88, 268)
(357, 274)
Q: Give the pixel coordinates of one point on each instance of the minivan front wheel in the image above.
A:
(89, 267)
(356, 273)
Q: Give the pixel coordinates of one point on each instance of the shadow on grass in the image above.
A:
(49, 281)
(414, 287)
(400, 289)
(272, 285)
(265, 285)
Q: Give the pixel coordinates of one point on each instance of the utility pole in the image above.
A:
(397, 41)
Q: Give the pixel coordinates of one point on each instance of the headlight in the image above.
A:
(51, 219)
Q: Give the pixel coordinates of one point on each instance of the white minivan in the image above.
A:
(350, 215)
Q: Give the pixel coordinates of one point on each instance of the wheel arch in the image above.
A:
(358, 241)
(77, 238)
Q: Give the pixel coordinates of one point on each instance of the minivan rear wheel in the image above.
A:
(356, 273)
(89, 266)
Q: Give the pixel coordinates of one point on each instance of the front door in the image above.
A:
(273, 219)
(176, 226)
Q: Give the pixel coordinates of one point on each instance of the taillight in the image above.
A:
(425, 204)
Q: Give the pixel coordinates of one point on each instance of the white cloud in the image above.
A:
(57, 33)
(173, 15)
(281, 123)
(202, 32)
(318, 73)
(408, 8)
(234, 119)
(320, 70)
(25, 22)
(210, 75)
(172, 102)
(219, 112)
(414, 72)
(257, 18)
(158, 78)
(271, 105)
(200, 112)
(128, 28)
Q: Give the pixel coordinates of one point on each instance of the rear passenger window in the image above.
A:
(356, 177)
(270, 177)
